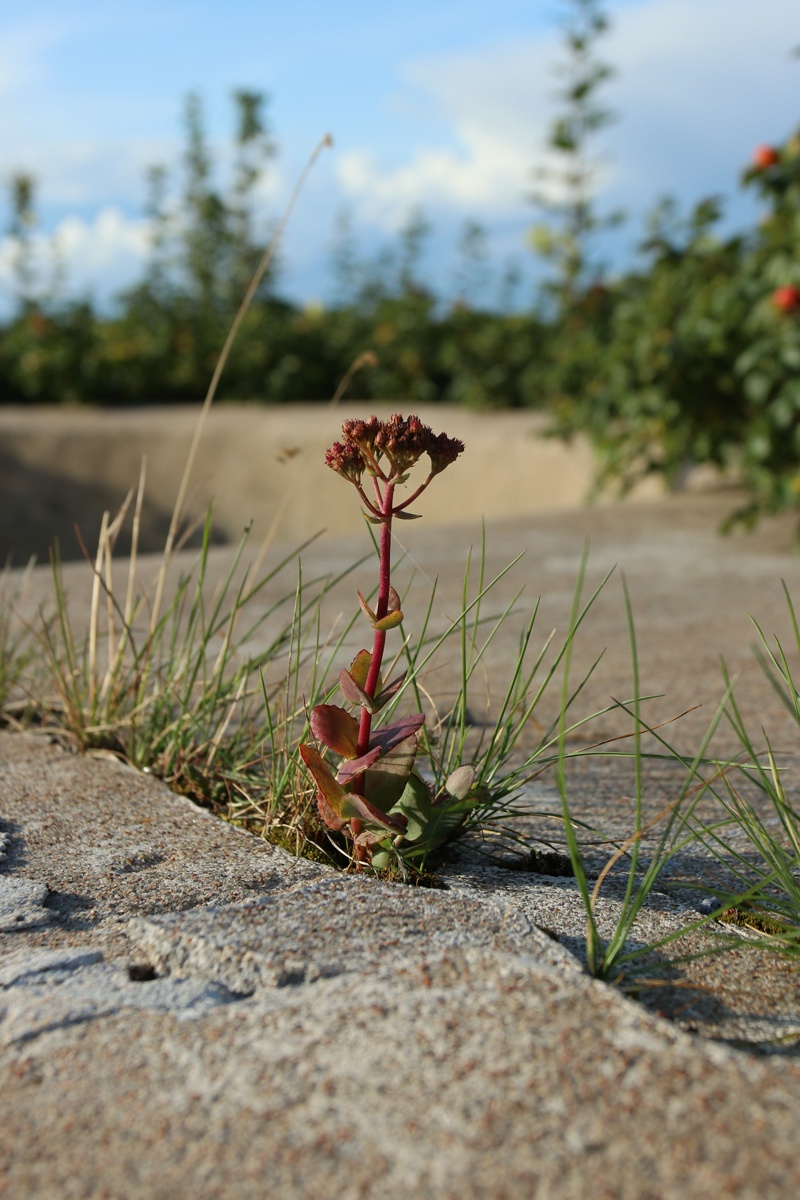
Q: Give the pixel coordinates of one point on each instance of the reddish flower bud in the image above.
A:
(346, 461)
(362, 433)
(403, 440)
(442, 451)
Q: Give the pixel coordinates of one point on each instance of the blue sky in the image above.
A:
(433, 104)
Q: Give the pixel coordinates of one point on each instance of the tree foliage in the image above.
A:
(691, 357)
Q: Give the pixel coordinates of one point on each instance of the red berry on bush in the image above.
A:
(786, 299)
(764, 156)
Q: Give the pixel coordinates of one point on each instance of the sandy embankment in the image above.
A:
(62, 467)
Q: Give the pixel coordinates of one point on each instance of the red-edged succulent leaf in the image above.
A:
(328, 815)
(332, 791)
(371, 837)
(389, 691)
(354, 766)
(393, 616)
(394, 601)
(396, 731)
(354, 681)
(408, 516)
(334, 727)
(358, 806)
(353, 693)
(381, 743)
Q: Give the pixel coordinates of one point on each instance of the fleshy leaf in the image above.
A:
(381, 859)
(394, 601)
(355, 805)
(332, 791)
(415, 805)
(385, 782)
(389, 691)
(371, 837)
(394, 732)
(408, 516)
(393, 616)
(391, 620)
(335, 728)
(381, 743)
(431, 823)
(447, 816)
(460, 781)
(328, 815)
(353, 693)
(359, 667)
(354, 766)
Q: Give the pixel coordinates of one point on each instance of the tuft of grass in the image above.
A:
(493, 747)
(186, 682)
(616, 956)
(16, 646)
(759, 838)
(178, 690)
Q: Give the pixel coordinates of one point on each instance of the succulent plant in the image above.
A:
(376, 795)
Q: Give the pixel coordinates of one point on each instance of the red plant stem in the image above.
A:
(361, 853)
(381, 608)
(414, 495)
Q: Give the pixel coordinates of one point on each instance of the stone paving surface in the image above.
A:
(186, 1011)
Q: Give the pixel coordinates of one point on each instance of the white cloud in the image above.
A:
(495, 105)
(109, 247)
(23, 50)
(108, 240)
(699, 81)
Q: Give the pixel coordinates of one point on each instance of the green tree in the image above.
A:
(22, 196)
(572, 219)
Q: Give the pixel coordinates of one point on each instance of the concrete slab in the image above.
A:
(392, 1042)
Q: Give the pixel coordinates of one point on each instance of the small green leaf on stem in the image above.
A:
(390, 621)
(359, 667)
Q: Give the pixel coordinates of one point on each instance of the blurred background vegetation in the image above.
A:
(690, 357)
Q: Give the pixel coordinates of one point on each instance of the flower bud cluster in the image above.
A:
(398, 443)
(346, 460)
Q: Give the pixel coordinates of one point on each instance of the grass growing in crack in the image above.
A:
(173, 687)
(761, 851)
(493, 746)
(181, 692)
(614, 957)
(16, 646)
